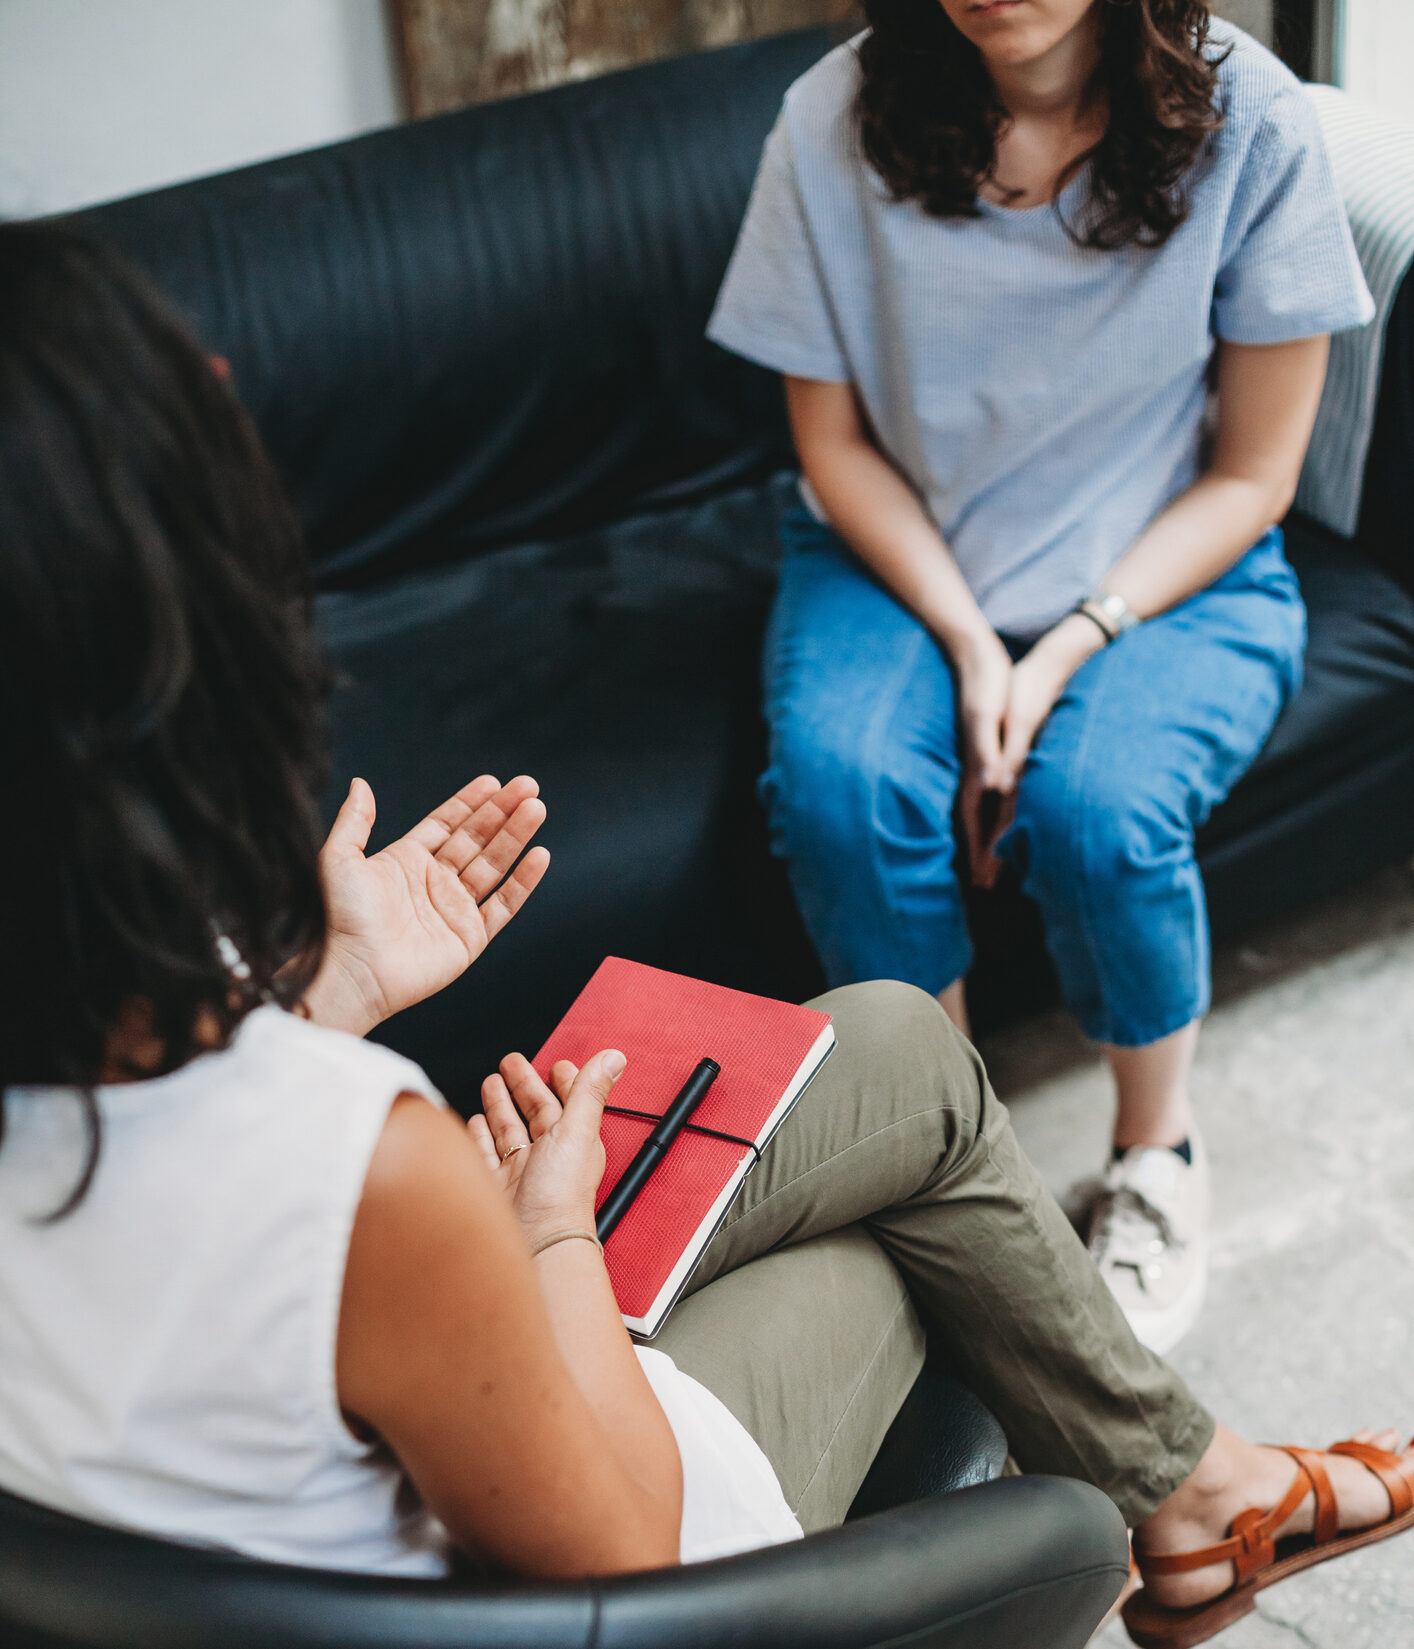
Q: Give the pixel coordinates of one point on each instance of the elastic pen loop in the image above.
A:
(689, 1128)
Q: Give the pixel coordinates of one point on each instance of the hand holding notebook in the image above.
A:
(767, 1051)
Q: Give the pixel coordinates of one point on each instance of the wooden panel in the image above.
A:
(457, 52)
(776, 16)
(600, 35)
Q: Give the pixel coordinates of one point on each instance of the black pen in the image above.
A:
(654, 1148)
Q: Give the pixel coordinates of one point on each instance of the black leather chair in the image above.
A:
(1018, 1563)
(1029, 1561)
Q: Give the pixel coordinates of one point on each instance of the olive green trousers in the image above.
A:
(894, 1209)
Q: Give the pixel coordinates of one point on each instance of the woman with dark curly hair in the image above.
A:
(1001, 250)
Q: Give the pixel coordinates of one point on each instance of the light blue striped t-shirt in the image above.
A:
(1045, 399)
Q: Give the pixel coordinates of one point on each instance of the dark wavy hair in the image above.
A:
(929, 116)
(161, 691)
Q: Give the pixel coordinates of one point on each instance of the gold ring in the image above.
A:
(507, 1155)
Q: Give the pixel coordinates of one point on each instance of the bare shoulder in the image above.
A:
(434, 1244)
(420, 1142)
(424, 1182)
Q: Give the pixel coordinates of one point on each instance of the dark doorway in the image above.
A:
(1294, 34)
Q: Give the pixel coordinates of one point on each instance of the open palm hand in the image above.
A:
(408, 920)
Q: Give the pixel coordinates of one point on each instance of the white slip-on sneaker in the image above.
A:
(1149, 1237)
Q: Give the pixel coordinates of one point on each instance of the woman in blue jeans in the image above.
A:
(1002, 251)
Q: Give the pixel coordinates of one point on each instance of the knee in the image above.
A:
(1093, 831)
(887, 1011)
(829, 789)
(906, 1049)
(816, 788)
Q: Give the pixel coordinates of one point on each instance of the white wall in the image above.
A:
(1377, 53)
(100, 98)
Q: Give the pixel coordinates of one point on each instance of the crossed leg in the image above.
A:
(896, 1197)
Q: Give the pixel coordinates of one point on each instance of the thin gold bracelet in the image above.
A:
(564, 1236)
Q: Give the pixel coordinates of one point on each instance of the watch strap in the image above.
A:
(1110, 611)
(1087, 611)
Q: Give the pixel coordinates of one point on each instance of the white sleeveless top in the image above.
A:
(167, 1350)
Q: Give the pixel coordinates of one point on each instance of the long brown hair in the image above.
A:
(929, 116)
(162, 735)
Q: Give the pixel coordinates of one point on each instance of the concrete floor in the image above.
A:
(1305, 1091)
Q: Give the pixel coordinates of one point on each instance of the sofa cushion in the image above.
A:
(1357, 700)
(621, 669)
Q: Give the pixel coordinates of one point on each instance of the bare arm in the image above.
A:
(518, 1109)
(882, 520)
(506, 1385)
(1267, 400)
(879, 515)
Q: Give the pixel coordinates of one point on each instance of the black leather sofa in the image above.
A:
(542, 513)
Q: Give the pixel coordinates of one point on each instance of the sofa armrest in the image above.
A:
(1387, 502)
(1372, 155)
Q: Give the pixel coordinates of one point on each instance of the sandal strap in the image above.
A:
(1327, 1520)
(1395, 1471)
(1251, 1545)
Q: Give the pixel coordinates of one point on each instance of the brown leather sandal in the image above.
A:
(1260, 1559)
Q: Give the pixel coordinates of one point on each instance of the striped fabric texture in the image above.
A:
(1372, 154)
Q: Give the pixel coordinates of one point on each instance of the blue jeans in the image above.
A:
(1148, 737)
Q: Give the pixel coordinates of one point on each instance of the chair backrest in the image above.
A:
(1032, 1561)
(487, 327)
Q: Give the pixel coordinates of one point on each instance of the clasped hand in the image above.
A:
(1003, 706)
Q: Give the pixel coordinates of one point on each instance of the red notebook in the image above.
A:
(768, 1052)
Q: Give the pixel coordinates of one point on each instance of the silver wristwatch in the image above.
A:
(1110, 612)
